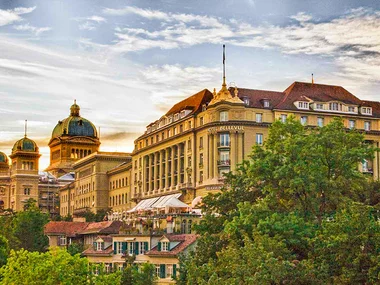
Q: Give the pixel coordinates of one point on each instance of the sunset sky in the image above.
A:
(127, 62)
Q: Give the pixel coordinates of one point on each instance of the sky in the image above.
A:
(127, 62)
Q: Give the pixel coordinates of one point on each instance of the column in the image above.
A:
(155, 157)
(151, 178)
(233, 146)
(172, 170)
(147, 178)
(215, 157)
(166, 168)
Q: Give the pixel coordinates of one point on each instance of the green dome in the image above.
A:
(75, 125)
(3, 158)
(25, 144)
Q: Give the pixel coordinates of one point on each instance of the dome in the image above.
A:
(25, 144)
(3, 158)
(74, 125)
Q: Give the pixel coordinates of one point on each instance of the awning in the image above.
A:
(159, 202)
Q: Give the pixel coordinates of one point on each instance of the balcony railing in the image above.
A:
(224, 144)
(225, 162)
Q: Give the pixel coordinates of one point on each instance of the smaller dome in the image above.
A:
(74, 109)
(3, 158)
(25, 144)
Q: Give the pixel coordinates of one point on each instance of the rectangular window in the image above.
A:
(201, 121)
(304, 120)
(319, 106)
(283, 118)
(189, 125)
(201, 142)
(131, 248)
(201, 176)
(164, 246)
(259, 139)
(62, 240)
(351, 109)
(320, 122)
(351, 124)
(99, 246)
(367, 125)
(201, 159)
(174, 131)
(303, 105)
(180, 128)
(169, 271)
(224, 157)
(223, 116)
(224, 139)
(259, 118)
(266, 103)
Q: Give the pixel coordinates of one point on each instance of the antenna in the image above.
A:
(26, 127)
(312, 78)
(224, 64)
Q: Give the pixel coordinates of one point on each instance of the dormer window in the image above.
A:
(351, 109)
(164, 246)
(335, 106)
(366, 110)
(170, 119)
(303, 105)
(319, 106)
(183, 113)
(223, 116)
(204, 107)
(246, 101)
(99, 246)
(266, 103)
(176, 116)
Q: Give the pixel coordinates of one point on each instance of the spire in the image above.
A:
(26, 127)
(74, 109)
(224, 65)
(312, 78)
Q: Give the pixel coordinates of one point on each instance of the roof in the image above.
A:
(185, 240)
(91, 251)
(257, 96)
(193, 102)
(25, 144)
(106, 227)
(70, 229)
(159, 202)
(316, 92)
(3, 158)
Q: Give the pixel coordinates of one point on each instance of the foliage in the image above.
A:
(4, 249)
(54, 267)
(92, 217)
(139, 275)
(75, 248)
(297, 212)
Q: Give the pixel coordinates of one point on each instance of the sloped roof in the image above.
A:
(185, 240)
(70, 229)
(91, 251)
(106, 227)
(193, 102)
(256, 97)
(317, 92)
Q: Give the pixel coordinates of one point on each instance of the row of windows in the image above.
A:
(168, 120)
(85, 202)
(118, 200)
(65, 198)
(79, 153)
(83, 189)
(27, 165)
(122, 182)
(334, 106)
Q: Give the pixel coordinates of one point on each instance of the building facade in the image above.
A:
(188, 150)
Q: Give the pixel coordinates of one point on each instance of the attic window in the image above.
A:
(266, 103)
(303, 105)
(164, 246)
(204, 107)
(80, 123)
(366, 110)
(246, 101)
(176, 117)
(351, 109)
(183, 114)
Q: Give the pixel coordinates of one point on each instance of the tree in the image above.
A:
(4, 250)
(143, 274)
(282, 210)
(75, 248)
(28, 229)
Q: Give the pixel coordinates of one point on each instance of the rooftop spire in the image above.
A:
(224, 64)
(26, 127)
(312, 78)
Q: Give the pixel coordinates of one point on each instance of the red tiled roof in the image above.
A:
(317, 92)
(70, 229)
(185, 241)
(256, 97)
(107, 227)
(193, 103)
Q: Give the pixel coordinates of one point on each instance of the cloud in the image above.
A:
(35, 30)
(351, 39)
(90, 23)
(10, 16)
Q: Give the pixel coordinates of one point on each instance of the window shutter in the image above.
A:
(124, 247)
(146, 246)
(94, 243)
(159, 246)
(136, 248)
(102, 245)
(174, 270)
(59, 240)
(162, 271)
(114, 247)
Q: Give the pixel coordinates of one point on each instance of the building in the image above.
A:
(5, 180)
(91, 189)
(188, 150)
(72, 139)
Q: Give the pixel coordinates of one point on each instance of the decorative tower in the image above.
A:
(24, 173)
(72, 139)
(4, 181)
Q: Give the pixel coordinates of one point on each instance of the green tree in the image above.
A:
(75, 248)
(4, 250)
(143, 274)
(28, 229)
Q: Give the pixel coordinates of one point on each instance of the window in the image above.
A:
(365, 166)
(366, 110)
(180, 128)
(162, 135)
(131, 248)
(259, 118)
(99, 246)
(367, 126)
(303, 105)
(224, 139)
(164, 246)
(151, 140)
(335, 107)
(351, 124)
(201, 142)
(169, 271)
(266, 103)
(174, 131)
(146, 142)
(201, 176)
(224, 157)
(351, 109)
(283, 118)
(259, 139)
(27, 191)
(320, 122)
(246, 101)
(223, 116)
(201, 159)
(304, 120)
(176, 116)
(62, 240)
(169, 133)
(189, 124)
(319, 106)
(201, 121)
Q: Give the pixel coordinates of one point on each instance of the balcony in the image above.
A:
(225, 162)
(224, 144)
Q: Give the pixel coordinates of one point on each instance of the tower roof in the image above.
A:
(74, 125)
(3, 158)
(25, 144)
